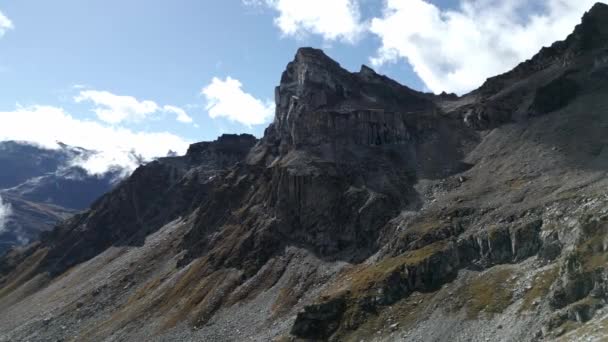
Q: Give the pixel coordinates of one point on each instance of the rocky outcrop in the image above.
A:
(319, 321)
(320, 103)
(223, 153)
(423, 270)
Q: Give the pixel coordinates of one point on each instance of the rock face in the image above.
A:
(319, 103)
(367, 211)
(226, 151)
(153, 196)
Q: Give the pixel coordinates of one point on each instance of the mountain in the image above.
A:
(39, 187)
(366, 212)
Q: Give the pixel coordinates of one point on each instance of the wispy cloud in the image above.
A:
(457, 50)
(333, 20)
(5, 212)
(227, 99)
(116, 146)
(5, 24)
(79, 86)
(180, 114)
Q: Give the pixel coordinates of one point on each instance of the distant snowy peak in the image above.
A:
(40, 186)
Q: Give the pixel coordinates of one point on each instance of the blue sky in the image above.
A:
(166, 73)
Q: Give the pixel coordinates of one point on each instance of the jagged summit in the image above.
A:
(597, 16)
(367, 71)
(590, 34)
(544, 83)
(590, 37)
(319, 103)
(309, 55)
(330, 87)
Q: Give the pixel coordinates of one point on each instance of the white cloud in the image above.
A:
(115, 109)
(180, 114)
(116, 146)
(456, 50)
(5, 212)
(5, 24)
(227, 99)
(254, 2)
(333, 19)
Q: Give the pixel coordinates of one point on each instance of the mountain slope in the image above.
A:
(368, 211)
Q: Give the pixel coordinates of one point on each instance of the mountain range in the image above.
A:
(40, 187)
(367, 212)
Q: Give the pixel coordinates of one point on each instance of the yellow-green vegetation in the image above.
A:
(596, 261)
(404, 314)
(287, 299)
(23, 273)
(363, 277)
(517, 183)
(198, 298)
(362, 280)
(585, 302)
(192, 297)
(583, 331)
(144, 291)
(540, 287)
(427, 226)
(489, 292)
(494, 231)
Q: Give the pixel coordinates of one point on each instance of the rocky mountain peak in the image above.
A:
(312, 56)
(310, 81)
(598, 11)
(367, 71)
(592, 33)
(316, 94)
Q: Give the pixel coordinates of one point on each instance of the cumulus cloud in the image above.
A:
(226, 98)
(115, 109)
(333, 20)
(456, 50)
(180, 114)
(116, 146)
(5, 212)
(5, 24)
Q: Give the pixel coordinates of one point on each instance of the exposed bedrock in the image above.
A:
(423, 270)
